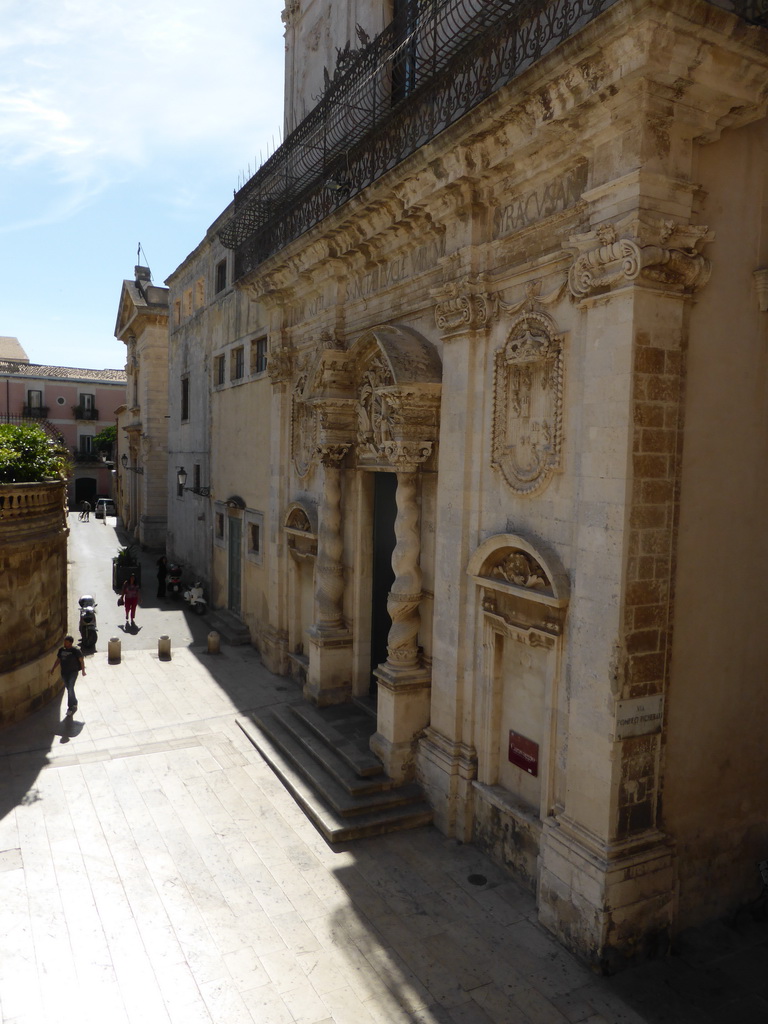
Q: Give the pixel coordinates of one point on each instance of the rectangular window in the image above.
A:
(86, 444)
(219, 525)
(238, 363)
(219, 370)
(221, 276)
(197, 478)
(87, 402)
(177, 312)
(185, 398)
(259, 355)
(34, 399)
(254, 536)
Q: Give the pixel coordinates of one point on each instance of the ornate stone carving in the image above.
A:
(460, 308)
(522, 569)
(304, 427)
(377, 410)
(292, 9)
(331, 454)
(662, 252)
(280, 364)
(528, 396)
(406, 455)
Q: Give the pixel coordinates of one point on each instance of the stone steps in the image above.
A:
(319, 755)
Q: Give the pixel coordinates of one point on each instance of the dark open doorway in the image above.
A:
(384, 513)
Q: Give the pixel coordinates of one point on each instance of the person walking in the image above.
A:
(130, 595)
(85, 511)
(71, 660)
(162, 571)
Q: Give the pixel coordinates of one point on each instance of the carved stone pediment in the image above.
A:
(528, 397)
(662, 252)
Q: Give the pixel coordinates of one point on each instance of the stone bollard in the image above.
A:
(214, 642)
(164, 648)
(114, 649)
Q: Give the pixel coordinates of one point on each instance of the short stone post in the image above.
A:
(164, 648)
(214, 642)
(114, 650)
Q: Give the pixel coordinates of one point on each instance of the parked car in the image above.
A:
(105, 507)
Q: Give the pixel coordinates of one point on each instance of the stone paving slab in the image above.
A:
(153, 870)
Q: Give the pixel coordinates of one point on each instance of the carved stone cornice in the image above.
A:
(661, 252)
(290, 12)
(406, 456)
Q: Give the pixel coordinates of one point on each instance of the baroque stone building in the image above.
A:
(481, 353)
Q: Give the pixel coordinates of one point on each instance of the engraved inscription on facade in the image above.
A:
(402, 267)
(552, 197)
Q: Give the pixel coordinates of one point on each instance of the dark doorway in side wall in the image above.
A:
(85, 490)
(383, 576)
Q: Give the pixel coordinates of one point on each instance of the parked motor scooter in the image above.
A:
(194, 597)
(173, 584)
(88, 633)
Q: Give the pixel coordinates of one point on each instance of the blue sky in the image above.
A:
(121, 121)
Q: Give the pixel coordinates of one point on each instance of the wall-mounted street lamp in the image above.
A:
(131, 469)
(181, 479)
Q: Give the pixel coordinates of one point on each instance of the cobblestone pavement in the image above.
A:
(153, 870)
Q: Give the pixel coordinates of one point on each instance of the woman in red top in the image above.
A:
(130, 595)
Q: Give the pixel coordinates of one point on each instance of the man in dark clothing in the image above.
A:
(71, 660)
(162, 569)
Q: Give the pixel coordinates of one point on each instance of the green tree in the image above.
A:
(29, 455)
(105, 439)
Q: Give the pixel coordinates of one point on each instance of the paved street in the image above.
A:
(153, 869)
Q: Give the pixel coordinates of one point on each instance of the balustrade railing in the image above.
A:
(419, 76)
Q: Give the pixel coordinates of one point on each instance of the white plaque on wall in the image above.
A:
(639, 717)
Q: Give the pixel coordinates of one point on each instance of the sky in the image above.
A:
(122, 122)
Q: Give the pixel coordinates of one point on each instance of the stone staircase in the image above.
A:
(231, 629)
(322, 757)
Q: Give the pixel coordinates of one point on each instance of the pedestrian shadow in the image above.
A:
(24, 750)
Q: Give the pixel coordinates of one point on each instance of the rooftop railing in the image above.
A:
(426, 70)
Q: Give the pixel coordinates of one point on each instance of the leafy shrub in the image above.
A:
(29, 455)
(126, 556)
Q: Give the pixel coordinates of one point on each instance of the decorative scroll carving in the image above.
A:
(528, 398)
(662, 252)
(406, 455)
(460, 308)
(522, 569)
(331, 455)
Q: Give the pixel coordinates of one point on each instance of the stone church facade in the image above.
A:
(485, 403)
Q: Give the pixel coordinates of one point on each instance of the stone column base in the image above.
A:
(329, 677)
(610, 903)
(446, 768)
(273, 648)
(402, 713)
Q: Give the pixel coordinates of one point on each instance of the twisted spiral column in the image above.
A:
(329, 570)
(405, 596)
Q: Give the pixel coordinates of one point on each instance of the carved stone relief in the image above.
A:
(528, 398)
(304, 426)
(523, 570)
(662, 252)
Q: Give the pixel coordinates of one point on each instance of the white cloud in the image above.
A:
(91, 88)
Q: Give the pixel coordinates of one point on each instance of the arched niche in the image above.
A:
(521, 601)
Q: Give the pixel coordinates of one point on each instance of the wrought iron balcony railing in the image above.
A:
(35, 412)
(419, 76)
(82, 412)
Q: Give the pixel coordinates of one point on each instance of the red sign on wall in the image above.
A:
(524, 753)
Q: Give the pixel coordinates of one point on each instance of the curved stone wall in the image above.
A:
(33, 594)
